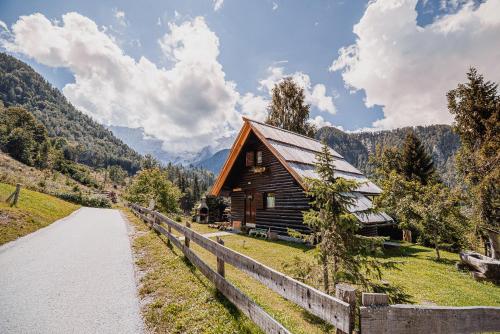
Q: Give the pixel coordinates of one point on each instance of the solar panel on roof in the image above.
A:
(290, 138)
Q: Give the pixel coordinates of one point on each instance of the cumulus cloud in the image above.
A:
(320, 122)
(275, 6)
(408, 69)
(187, 106)
(314, 94)
(120, 17)
(254, 106)
(218, 4)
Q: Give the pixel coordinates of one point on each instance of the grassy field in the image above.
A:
(177, 298)
(416, 276)
(33, 211)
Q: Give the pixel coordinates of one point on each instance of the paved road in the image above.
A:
(75, 276)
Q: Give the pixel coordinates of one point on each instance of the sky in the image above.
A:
(187, 71)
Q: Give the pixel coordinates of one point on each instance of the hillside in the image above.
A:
(95, 145)
(33, 211)
(215, 162)
(439, 140)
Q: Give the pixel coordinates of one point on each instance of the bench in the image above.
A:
(258, 232)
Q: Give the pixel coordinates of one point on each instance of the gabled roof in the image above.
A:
(296, 152)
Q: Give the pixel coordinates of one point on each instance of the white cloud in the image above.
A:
(275, 6)
(218, 4)
(320, 122)
(3, 26)
(120, 17)
(314, 94)
(408, 69)
(188, 106)
(254, 106)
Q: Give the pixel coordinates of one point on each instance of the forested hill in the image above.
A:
(93, 144)
(439, 140)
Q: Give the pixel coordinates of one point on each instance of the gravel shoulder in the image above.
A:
(74, 276)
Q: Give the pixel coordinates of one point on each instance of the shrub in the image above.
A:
(93, 201)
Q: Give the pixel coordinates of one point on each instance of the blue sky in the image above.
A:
(371, 89)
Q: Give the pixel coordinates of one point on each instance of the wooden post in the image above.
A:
(16, 196)
(374, 299)
(186, 239)
(347, 293)
(220, 263)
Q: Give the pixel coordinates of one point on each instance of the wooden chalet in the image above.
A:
(264, 177)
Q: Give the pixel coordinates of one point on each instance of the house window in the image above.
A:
(249, 161)
(259, 158)
(270, 200)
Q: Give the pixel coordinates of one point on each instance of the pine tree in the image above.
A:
(476, 106)
(342, 252)
(415, 162)
(288, 109)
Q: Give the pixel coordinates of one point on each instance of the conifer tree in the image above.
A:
(342, 253)
(288, 109)
(415, 163)
(476, 106)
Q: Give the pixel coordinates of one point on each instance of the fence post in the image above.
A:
(186, 239)
(220, 263)
(18, 190)
(373, 313)
(347, 293)
(15, 195)
(374, 299)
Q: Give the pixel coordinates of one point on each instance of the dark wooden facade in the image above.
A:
(248, 188)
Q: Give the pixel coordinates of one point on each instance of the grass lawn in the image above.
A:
(416, 272)
(33, 211)
(177, 298)
(416, 275)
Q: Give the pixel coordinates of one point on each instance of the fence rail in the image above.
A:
(333, 310)
(377, 317)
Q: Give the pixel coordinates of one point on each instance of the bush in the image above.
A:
(94, 201)
(154, 184)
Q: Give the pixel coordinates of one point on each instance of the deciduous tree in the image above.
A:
(154, 184)
(288, 109)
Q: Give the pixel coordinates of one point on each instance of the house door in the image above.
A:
(250, 208)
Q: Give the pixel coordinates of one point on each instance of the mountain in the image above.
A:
(137, 139)
(145, 143)
(94, 145)
(439, 140)
(215, 162)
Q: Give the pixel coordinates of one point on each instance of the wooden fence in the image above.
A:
(331, 309)
(375, 315)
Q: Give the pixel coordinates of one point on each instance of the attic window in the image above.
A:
(249, 161)
(259, 158)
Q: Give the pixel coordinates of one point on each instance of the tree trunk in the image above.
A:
(335, 269)
(436, 246)
(494, 241)
(326, 280)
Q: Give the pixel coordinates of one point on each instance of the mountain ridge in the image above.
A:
(94, 145)
(439, 140)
